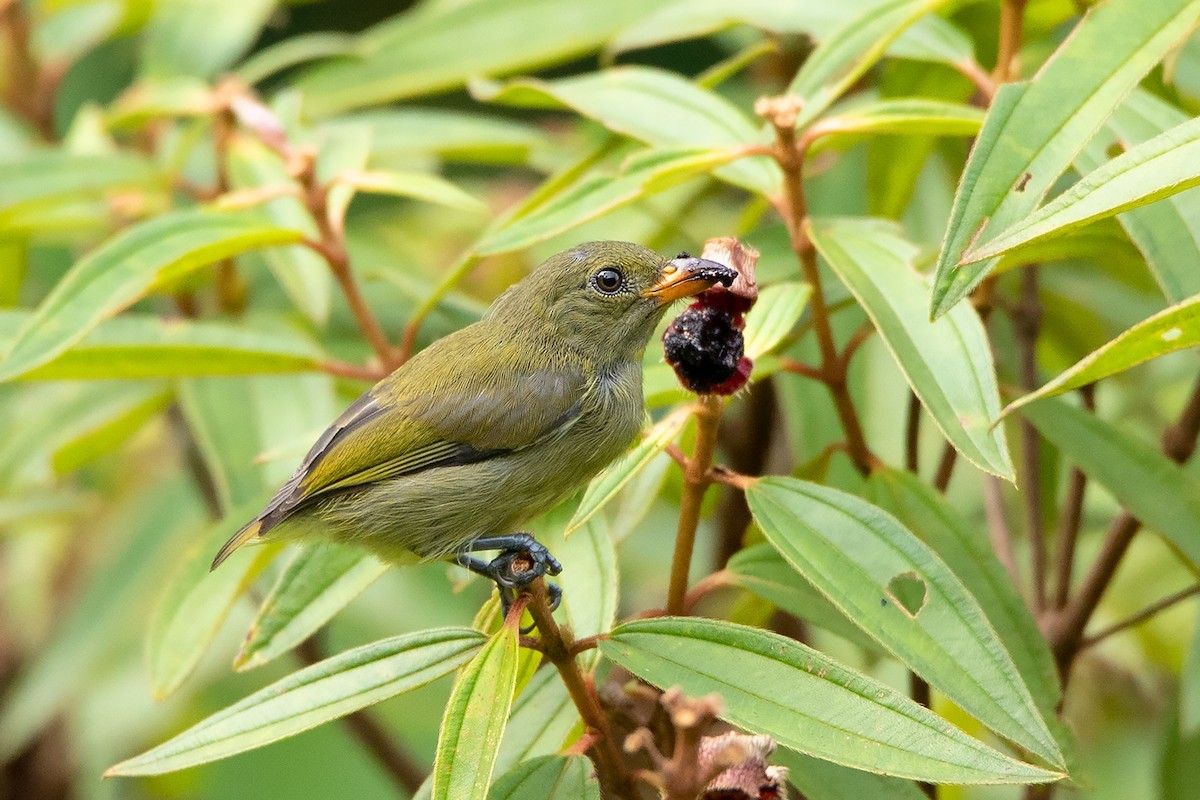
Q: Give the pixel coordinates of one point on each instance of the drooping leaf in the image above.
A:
(124, 268)
(1168, 232)
(292, 51)
(202, 39)
(325, 691)
(948, 363)
(1155, 490)
(548, 778)
(850, 51)
(808, 702)
(474, 721)
(1171, 329)
(865, 562)
(147, 346)
(1034, 130)
(407, 133)
(902, 116)
(196, 601)
(607, 484)
(417, 185)
(105, 426)
(441, 45)
(971, 558)
(774, 315)
(658, 107)
(317, 583)
(1160, 167)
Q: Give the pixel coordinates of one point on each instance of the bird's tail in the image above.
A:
(247, 533)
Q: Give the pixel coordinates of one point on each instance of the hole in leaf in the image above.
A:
(907, 591)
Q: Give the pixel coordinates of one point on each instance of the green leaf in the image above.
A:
(548, 778)
(1168, 233)
(147, 100)
(761, 570)
(972, 560)
(646, 173)
(148, 346)
(417, 185)
(928, 39)
(474, 720)
(607, 484)
(39, 181)
(1171, 329)
(200, 39)
(143, 539)
(124, 268)
(292, 51)
(1154, 489)
(851, 50)
(542, 718)
(106, 426)
(408, 133)
(657, 107)
(196, 601)
(808, 702)
(948, 363)
(865, 563)
(905, 116)
(325, 691)
(1034, 130)
(440, 46)
(821, 780)
(302, 273)
(317, 583)
(1163, 166)
(774, 316)
(591, 607)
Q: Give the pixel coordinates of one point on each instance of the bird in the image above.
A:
(494, 424)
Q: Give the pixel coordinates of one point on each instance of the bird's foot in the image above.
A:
(521, 561)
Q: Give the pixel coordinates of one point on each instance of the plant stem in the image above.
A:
(999, 531)
(696, 481)
(912, 434)
(1012, 22)
(1072, 518)
(1141, 616)
(557, 645)
(945, 469)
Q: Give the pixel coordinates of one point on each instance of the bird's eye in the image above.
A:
(608, 281)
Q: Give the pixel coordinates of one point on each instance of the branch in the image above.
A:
(912, 434)
(696, 480)
(1064, 557)
(1027, 318)
(1012, 22)
(1141, 616)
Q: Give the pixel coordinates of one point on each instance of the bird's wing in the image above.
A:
(424, 417)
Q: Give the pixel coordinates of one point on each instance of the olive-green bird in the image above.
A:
(494, 424)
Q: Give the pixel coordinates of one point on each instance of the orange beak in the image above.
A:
(687, 277)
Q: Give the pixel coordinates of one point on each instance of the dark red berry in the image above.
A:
(705, 347)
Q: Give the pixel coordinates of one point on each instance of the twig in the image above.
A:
(800, 368)
(945, 469)
(1141, 616)
(999, 531)
(978, 76)
(696, 481)
(1027, 319)
(1072, 518)
(341, 369)
(918, 689)
(557, 645)
(912, 434)
(396, 762)
(1012, 22)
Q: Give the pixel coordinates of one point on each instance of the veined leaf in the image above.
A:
(658, 107)
(548, 778)
(928, 39)
(969, 555)
(808, 702)
(822, 780)
(315, 585)
(1153, 488)
(124, 268)
(607, 484)
(1034, 130)
(474, 720)
(850, 51)
(38, 181)
(1171, 329)
(774, 315)
(948, 363)
(1165, 165)
(305, 699)
(1167, 233)
(645, 174)
(440, 46)
(303, 274)
(147, 346)
(195, 602)
(542, 717)
(417, 185)
(893, 586)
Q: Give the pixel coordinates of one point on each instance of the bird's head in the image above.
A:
(605, 298)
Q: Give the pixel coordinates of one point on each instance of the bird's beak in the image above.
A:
(686, 277)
